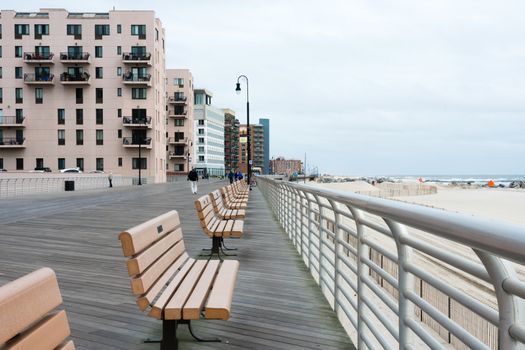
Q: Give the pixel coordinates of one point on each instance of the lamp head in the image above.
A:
(238, 89)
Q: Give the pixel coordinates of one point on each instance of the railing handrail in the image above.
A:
(78, 56)
(136, 120)
(38, 56)
(133, 56)
(130, 140)
(6, 119)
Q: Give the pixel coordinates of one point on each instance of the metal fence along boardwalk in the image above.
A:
(276, 305)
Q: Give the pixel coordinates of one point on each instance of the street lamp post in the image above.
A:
(141, 140)
(238, 91)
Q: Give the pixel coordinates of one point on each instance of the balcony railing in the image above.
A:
(401, 275)
(177, 141)
(36, 57)
(173, 99)
(177, 114)
(80, 78)
(15, 142)
(31, 78)
(172, 154)
(82, 57)
(137, 121)
(11, 121)
(131, 78)
(136, 141)
(134, 58)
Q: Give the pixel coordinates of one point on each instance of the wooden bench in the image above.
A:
(240, 190)
(174, 287)
(221, 211)
(230, 201)
(28, 319)
(215, 227)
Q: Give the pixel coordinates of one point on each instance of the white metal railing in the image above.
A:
(404, 276)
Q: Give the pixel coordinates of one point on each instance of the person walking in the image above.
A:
(110, 178)
(193, 177)
(239, 175)
(231, 175)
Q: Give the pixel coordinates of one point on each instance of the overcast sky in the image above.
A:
(363, 87)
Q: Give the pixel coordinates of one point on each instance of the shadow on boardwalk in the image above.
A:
(276, 305)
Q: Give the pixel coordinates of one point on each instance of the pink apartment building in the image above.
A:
(180, 129)
(83, 90)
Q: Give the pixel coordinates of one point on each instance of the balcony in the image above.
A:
(135, 142)
(137, 122)
(178, 114)
(12, 142)
(177, 141)
(33, 79)
(12, 122)
(136, 58)
(38, 58)
(75, 79)
(177, 100)
(174, 155)
(136, 79)
(74, 58)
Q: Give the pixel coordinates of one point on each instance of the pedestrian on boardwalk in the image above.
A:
(110, 178)
(239, 175)
(193, 177)
(231, 176)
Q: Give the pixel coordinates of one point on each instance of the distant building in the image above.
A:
(83, 90)
(180, 127)
(266, 136)
(209, 135)
(231, 140)
(283, 166)
(257, 147)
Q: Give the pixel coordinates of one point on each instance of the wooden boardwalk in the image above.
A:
(276, 305)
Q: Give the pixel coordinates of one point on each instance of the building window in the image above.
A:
(80, 163)
(18, 51)
(201, 149)
(201, 139)
(156, 34)
(99, 116)
(119, 29)
(119, 161)
(21, 29)
(201, 121)
(0, 72)
(80, 116)
(119, 113)
(119, 133)
(19, 73)
(100, 137)
(139, 30)
(99, 95)
(1, 95)
(201, 158)
(179, 122)
(61, 137)
(179, 82)
(119, 71)
(19, 163)
(19, 95)
(138, 93)
(99, 52)
(0, 51)
(79, 93)
(41, 29)
(135, 163)
(80, 137)
(61, 116)
(39, 95)
(100, 164)
(119, 92)
(61, 163)
(1, 163)
(101, 30)
(99, 73)
(75, 29)
(201, 132)
(119, 50)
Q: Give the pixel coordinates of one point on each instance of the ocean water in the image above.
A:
(473, 179)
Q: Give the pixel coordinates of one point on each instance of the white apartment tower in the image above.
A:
(209, 135)
(83, 89)
(180, 127)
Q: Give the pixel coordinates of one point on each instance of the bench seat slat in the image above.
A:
(142, 283)
(173, 310)
(195, 304)
(48, 333)
(160, 303)
(219, 301)
(237, 229)
(26, 300)
(220, 228)
(145, 300)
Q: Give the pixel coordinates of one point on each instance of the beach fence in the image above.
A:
(400, 275)
(22, 184)
(397, 189)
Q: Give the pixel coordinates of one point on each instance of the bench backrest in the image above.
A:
(206, 214)
(216, 200)
(27, 316)
(153, 247)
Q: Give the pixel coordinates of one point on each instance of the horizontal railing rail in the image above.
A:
(401, 275)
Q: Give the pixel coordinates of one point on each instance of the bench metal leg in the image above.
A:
(216, 340)
(215, 248)
(224, 245)
(169, 336)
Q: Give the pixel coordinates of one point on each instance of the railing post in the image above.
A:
(406, 284)
(337, 261)
(511, 308)
(320, 238)
(310, 229)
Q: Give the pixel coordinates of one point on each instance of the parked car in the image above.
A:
(71, 170)
(96, 172)
(43, 169)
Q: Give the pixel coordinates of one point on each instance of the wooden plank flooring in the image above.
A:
(276, 305)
